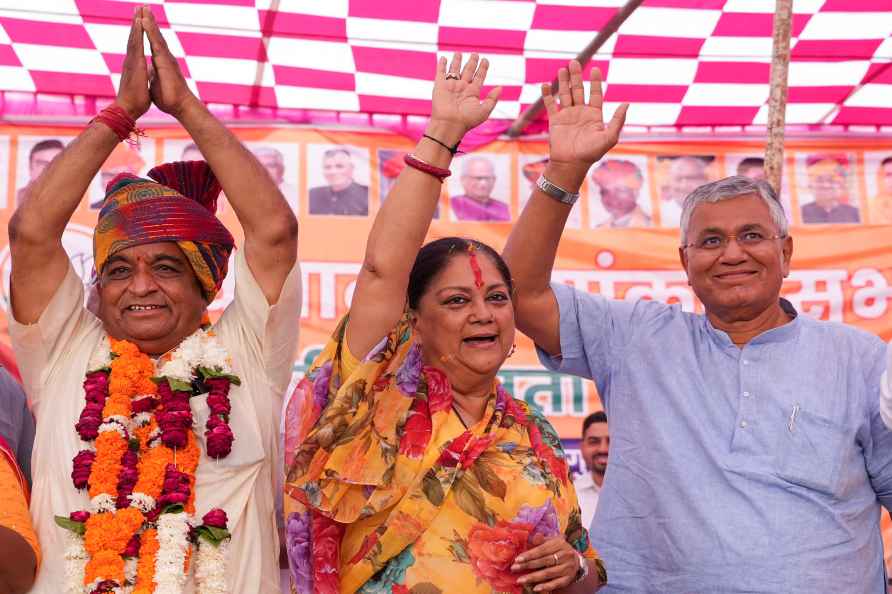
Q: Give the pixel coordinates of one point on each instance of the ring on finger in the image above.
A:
(556, 561)
(452, 76)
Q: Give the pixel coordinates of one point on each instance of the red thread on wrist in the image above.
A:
(119, 121)
(416, 163)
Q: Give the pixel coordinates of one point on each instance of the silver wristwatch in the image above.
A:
(556, 192)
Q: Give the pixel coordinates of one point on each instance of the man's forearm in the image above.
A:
(52, 198)
(258, 203)
(532, 246)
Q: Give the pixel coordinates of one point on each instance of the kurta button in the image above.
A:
(743, 424)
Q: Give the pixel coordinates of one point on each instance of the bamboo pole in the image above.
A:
(524, 119)
(777, 99)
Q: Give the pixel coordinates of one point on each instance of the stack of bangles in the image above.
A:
(119, 121)
(425, 167)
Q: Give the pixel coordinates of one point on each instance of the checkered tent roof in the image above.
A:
(679, 62)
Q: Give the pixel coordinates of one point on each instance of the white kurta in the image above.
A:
(53, 355)
(587, 492)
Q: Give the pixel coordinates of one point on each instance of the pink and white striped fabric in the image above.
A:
(680, 62)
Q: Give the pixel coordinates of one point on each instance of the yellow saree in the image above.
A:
(387, 491)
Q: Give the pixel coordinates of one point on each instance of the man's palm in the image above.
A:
(578, 133)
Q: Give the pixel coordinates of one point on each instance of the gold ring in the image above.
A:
(555, 558)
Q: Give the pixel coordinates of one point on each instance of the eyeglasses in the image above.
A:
(747, 239)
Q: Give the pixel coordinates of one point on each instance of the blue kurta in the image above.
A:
(733, 470)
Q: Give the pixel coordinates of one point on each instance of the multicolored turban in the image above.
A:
(177, 204)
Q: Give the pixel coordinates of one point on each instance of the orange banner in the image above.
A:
(621, 240)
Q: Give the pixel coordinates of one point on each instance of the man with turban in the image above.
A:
(161, 256)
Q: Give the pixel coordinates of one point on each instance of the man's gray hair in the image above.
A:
(338, 150)
(268, 151)
(733, 187)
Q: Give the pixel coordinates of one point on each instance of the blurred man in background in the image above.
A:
(594, 447)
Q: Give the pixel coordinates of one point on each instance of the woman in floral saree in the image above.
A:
(409, 468)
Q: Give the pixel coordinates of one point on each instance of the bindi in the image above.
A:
(475, 266)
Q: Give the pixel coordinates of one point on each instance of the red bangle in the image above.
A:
(425, 167)
(120, 122)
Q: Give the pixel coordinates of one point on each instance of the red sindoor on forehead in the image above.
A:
(475, 265)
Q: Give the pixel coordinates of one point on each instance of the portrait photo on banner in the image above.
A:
(480, 188)
(337, 180)
(619, 194)
(390, 165)
(676, 177)
(752, 165)
(280, 159)
(529, 167)
(827, 188)
(33, 156)
(878, 175)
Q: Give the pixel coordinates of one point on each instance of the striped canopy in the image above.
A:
(679, 62)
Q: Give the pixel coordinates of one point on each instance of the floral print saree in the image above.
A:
(387, 490)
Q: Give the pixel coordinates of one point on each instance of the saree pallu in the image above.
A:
(387, 491)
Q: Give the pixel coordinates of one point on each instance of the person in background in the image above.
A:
(752, 167)
(16, 421)
(594, 447)
(619, 185)
(19, 549)
(38, 158)
(686, 173)
(828, 183)
(748, 453)
(478, 178)
(342, 195)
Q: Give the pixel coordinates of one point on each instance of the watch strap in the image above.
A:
(556, 192)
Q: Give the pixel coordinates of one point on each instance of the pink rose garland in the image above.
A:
(218, 434)
(175, 417)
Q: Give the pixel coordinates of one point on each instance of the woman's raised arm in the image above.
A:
(403, 221)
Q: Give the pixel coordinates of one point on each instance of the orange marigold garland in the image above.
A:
(143, 490)
(145, 569)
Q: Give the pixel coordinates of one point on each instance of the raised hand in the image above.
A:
(456, 103)
(167, 87)
(577, 135)
(133, 90)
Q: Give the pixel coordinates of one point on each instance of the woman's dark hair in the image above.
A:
(434, 256)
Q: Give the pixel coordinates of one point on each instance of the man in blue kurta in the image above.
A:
(747, 451)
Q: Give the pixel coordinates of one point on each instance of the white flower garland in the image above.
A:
(76, 558)
(101, 357)
(170, 564)
(201, 349)
(210, 567)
